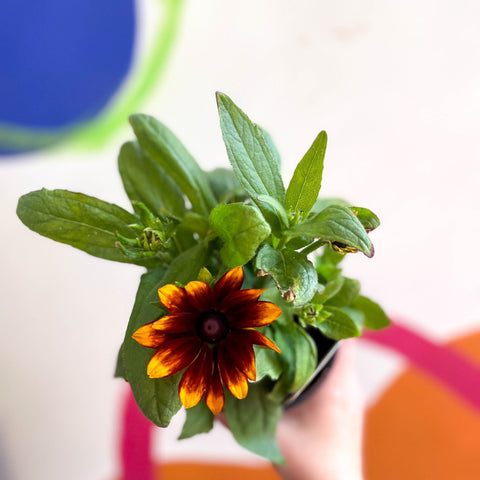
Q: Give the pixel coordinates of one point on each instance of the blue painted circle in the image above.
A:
(62, 61)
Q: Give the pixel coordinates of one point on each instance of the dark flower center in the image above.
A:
(212, 326)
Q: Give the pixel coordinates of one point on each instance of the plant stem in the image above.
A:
(313, 246)
(282, 243)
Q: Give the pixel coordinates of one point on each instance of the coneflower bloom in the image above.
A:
(209, 332)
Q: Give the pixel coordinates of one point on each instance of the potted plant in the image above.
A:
(244, 299)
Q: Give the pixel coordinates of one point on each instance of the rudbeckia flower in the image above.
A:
(209, 332)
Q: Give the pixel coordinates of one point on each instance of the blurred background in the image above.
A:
(396, 85)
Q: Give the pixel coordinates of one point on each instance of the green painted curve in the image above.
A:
(97, 132)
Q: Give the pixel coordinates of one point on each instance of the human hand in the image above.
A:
(321, 438)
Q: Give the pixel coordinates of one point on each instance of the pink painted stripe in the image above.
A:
(446, 365)
(136, 439)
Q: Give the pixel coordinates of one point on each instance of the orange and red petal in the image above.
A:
(240, 354)
(215, 394)
(182, 322)
(174, 299)
(147, 336)
(234, 379)
(199, 295)
(240, 298)
(174, 355)
(196, 379)
(231, 281)
(254, 337)
(254, 315)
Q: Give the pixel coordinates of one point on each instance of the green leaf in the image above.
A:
(187, 265)
(367, 218)
(302, 192)
(271, 145)
(356, 316)
(120, 366)
(268, 364)
(199, 420)
(166, 150)
(157, 398)
(322, 203)
(333, 286)
(225, 186)
(374, 316)
(145, 181)
(330, 257)
(338, 325)
(253, 422)
(298, 242)
(294, 275)
(278, 209)
(267, 361)
(298, 358)
(346, 295)
(83, 222)
(253, 161)
(273, 294)
(335, 224)
(194, 222)
(242, 229)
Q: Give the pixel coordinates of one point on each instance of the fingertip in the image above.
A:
(346, 352)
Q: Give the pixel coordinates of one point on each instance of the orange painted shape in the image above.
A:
(419, 430)
(202, 471)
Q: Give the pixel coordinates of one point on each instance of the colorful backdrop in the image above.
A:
(397, 87)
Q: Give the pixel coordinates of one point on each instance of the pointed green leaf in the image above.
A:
(242, 229)
(157, 398)
(199, 420)
(329, 290)
(193, 222)
(335, 224)
(346, 295)
(145, 181)
(329, 257)
(165, 149)
(83, 222)
(356, 316)
(120, 366)
(367, 218)
(322, 203)
(338, 325)
(267, 361)
(298, 243)
(374, 316)
(253, 161)
(278, 209)
(225, 186)
(302, 192)
(253, 422)
(271, 145)
(294, 275)
(298, 357)
(187, 265)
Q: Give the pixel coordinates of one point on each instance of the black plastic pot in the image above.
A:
(326, 349)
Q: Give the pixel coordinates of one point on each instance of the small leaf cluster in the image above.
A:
(187, 223)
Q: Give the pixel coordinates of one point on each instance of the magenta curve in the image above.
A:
(454, 370)
(135, 442)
